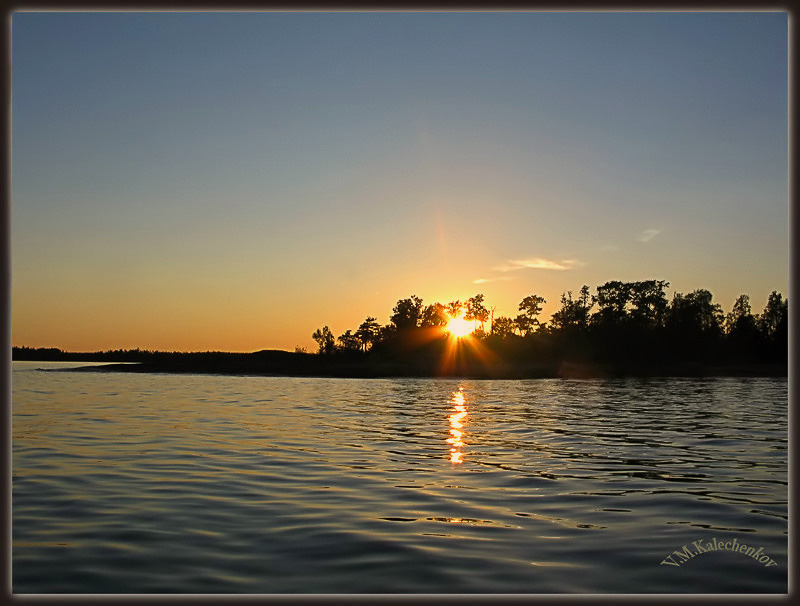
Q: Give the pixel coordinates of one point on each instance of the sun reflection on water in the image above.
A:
(456, 426)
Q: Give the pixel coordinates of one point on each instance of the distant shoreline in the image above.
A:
(417, 363)
(367, 371)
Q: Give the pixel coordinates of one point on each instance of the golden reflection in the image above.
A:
(456, 425)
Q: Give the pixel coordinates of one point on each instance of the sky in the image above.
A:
(234, 181)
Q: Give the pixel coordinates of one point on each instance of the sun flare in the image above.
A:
(458, 327)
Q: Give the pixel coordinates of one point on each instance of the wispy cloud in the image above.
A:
(485, 280)
(648, 234)
(516, 264)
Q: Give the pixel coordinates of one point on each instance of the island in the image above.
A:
(624, 329)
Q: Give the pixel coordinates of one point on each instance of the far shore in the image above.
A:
(377, 371)
(419, 362)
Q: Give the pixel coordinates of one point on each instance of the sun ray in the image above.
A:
(458, 327)
(464, 351)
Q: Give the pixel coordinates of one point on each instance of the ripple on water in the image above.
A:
(204, 484)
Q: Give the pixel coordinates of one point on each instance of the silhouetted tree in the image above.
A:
(649, 303)
(523, 324)
(407, 313)
(325, 339)
(479, 334)
(503, 327)
(742, 334)
(695, 312)
(348, 342)
(434, 315)
(774, 316)
(574, 314)
(773, 324)
(612, 300)
(632, 329)
(740, 316)
(476, 310)
(368, 332)
(386, 333)
(628, 321)
(694, 325)
(531, 307)
(454, 308)
(570, 327)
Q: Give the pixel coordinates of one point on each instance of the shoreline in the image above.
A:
(384, 371)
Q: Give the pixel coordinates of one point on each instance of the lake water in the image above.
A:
(140, 483)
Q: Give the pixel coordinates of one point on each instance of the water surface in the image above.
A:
(137, 483)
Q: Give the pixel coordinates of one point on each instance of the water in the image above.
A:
(136, 483)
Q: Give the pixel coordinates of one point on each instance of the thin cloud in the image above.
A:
(648, 234)
(485, 280)
(514, 265)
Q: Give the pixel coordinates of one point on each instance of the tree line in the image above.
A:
(622, 328)
(630, 322)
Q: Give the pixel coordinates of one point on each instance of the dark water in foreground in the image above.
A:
(135, 483)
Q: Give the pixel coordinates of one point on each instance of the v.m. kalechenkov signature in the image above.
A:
(687, 552)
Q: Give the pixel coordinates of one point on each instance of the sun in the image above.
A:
(458, 327)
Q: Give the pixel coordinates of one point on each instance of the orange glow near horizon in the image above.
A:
(463, 352)
(456, 426)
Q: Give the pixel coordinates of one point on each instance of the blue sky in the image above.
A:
(236, 180)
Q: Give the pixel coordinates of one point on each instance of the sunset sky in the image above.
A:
(233, 181)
